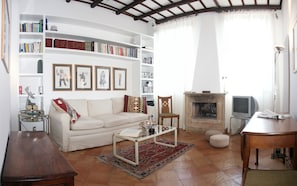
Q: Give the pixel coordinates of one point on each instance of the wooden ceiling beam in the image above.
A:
(167, 7)
(221, 9)
(131, 5)
(95, 3)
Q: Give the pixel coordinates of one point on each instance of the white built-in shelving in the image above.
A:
(67, 36)
(31, 46)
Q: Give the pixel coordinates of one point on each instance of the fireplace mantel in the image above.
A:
(196, 122)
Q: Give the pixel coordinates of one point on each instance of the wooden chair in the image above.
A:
(165, 110)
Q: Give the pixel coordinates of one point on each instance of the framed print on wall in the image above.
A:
(102, 78)
(62, 77)
(5, 35)
(83, 77)
(119, 78)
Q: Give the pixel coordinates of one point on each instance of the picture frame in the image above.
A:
(62, 77)
(119, 78)
(103, 78)
(83, 77)
(5, 32)
(295, 47)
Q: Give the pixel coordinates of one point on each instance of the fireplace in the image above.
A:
(204, 111)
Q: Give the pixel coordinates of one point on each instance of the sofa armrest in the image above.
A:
(60, 128)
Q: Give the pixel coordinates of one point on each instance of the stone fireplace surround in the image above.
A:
(194, 121)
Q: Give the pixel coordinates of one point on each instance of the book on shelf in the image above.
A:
(34, 47)
(49, 42)
(60, 43)
(32, 26)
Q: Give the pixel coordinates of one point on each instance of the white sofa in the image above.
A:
(98, 121)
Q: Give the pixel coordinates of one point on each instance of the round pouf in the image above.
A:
(219, 140)
(210, 133)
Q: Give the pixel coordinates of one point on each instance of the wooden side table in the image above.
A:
(32, 159)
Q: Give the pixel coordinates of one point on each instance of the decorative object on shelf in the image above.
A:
(20, 90)
(54, 28)
(40, 66)
(102, 78)
(29, 104)
(5, 35)
(40, 90)
(83, 77)
(62, 77)
(120, 79)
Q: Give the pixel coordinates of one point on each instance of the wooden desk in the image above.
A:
(267, 133)
(32, 159)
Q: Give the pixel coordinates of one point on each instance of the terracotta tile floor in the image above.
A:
(201, 166)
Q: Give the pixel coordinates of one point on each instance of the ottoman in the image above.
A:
(211, 132)
(219, 140)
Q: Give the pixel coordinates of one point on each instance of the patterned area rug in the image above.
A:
(151, 157)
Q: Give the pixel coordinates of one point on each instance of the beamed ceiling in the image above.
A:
(160, 11)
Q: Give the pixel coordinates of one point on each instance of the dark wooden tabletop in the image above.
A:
(264, 126)
(31, 156)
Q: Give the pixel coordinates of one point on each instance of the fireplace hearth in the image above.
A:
(204, 111)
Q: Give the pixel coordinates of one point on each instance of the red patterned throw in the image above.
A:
(62, 106)
(135, 104)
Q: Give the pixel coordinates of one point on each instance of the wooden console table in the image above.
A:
(32, 159)
(262, 133)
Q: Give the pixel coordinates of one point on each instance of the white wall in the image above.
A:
(290, 16)
(83, 12)
(4, 110)
(207, 75)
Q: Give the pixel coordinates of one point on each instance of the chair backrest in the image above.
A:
(164, 104)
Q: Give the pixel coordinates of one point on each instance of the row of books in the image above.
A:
(32, 27)
(34, 47)
(92, 46)
(118, 50)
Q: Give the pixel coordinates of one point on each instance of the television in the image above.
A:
(243, 106)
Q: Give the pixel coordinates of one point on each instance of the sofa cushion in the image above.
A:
(80, 105)
(112, 120)
(135, 104)
(62, 106)
(85, 123)
(134, 117)
(99, 107)
(117, 105)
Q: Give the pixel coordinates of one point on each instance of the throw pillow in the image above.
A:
(62, 106)
(135, 104)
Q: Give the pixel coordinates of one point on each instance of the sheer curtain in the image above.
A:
(246, 55)
(175, 53)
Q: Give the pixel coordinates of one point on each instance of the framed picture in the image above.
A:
(119, 78)
(5, 35)
(62, 77)
(295, 47)
(102, 78)
(83, 77)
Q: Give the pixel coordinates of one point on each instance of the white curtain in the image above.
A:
(245, 57)
(246, 54)
(175, 52)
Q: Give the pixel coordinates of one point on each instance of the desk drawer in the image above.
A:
(272, 141)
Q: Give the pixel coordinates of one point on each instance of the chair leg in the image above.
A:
(171, 122)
